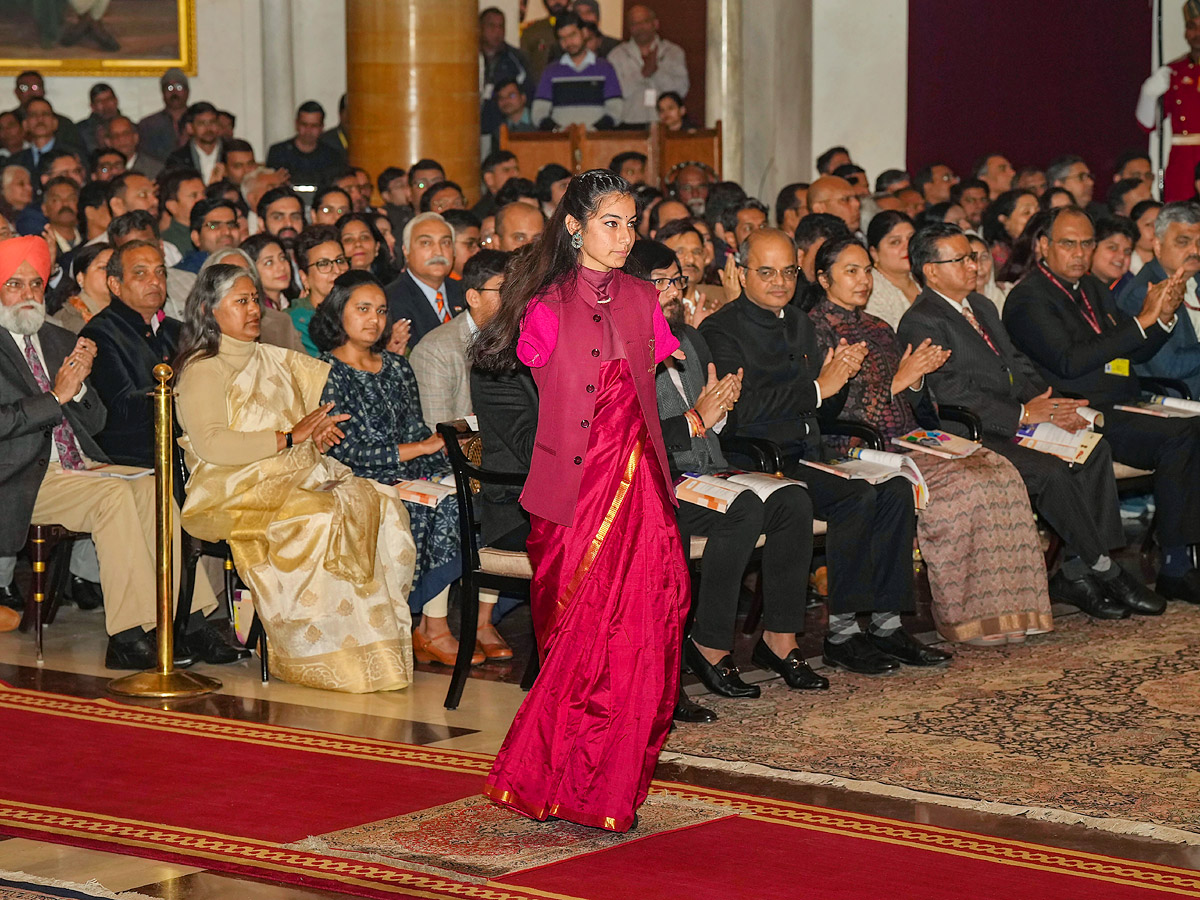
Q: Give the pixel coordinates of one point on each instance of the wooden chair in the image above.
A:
(702, 145)
(595, 149)
(482, 566)
(535, 149)
(47, 583)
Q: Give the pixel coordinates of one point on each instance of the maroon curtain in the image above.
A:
(1026, 78)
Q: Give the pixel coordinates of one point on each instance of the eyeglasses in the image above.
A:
(230, 224)
(325, 266)
(767, 273)
(955, 261)
(1072, 246)
(1082, 176)
(485, 290)
(680, 281)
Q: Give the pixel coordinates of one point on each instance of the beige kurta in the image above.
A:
(329, 558)
(887, 301)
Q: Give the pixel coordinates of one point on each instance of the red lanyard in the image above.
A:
(1085, 308)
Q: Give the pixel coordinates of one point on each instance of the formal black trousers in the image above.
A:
(868, 547)
(1078, 501)
(1171, 447)
(786, 519)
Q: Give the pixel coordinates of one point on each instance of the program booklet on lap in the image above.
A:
(716, 492)
(1164, 407)
(936, 443)
(876, 467)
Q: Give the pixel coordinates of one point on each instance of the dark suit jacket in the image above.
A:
(992, 386)
(1179, 357)
(123, 375)
(406, 301)
(185, 157)
(1049, 327)
(506, 405)
(27, 419)
(781, 361)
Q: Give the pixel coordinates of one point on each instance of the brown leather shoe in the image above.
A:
(439, 650)
(494, 651)
(10, 619)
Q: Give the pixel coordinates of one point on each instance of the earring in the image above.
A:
(577, 240)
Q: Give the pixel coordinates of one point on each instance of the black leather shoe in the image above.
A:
(141, 654)
(857, 655)
(1185, 587)
(1085, 594)
(208, 645)
(688, 710)
(721, 678)
(1133, 595)
(11, 597)
(795, 671)
(902, 646)
(86, 594)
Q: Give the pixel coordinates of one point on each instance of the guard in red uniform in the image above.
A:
(1178, 84)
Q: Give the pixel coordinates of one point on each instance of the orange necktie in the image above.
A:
(443, 313)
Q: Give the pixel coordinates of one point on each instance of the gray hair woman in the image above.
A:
(276, 326)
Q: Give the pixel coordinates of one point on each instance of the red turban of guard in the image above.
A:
(31, 249)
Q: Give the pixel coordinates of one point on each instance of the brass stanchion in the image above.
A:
(164, 681)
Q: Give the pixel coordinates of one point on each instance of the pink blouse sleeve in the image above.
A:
(665, 343)
(539, 335)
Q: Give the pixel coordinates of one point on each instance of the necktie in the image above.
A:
(442, 311)
(69, 455)
(969, 315)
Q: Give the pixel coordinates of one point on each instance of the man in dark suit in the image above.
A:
(424, 293)
(1176, 245)
(202, 152)
(987, 374)
(1068, 324)
(786, 384)
(47, 423)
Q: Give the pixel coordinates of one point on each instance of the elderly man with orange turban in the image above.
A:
(48, 415)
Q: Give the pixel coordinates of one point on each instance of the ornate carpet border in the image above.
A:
(277, 736)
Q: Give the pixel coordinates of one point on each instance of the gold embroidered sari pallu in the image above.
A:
(328, 557)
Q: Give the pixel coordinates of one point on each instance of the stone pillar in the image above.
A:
(723, 97)
(412, 70)
(278, 83)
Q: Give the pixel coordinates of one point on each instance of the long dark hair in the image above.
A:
(1024, 254)
(994, 231)
(200, 337)
(381, 265)
(257, 243)
(327, 329)
(548, 261)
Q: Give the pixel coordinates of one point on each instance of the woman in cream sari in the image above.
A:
(328, 558)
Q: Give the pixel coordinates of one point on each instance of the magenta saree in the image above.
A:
(609, 598)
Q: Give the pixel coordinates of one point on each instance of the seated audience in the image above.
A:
(274, 267)
(693, 406)
(989, 376)
(17, 191)
(139, 225)
(1115, 237)
(1054, 197)
(214, 227)
(442, 196)
(985, 273)
(178, 191)
(630, 165)
(934, 183)
(1143, 216)
(836, 197)
(738, 219)
(1005, 219)
(237, 157)
(280, 213)
(986, 571)
(972, 195)
(647, 65)
(856, 175)
(893, 288)
(277, 327)
(332, 597)
(1031, 178)
(518, 224)
(672, 112)
(1125, 194)
(364, 246)
(440, 360)
(699, 300)
(423, 175)
(60, 206)
(306, 158)
(1176, 248)
(791, 206)
(785, 382)
(329, 204)
(996, 172)
(813, 230)
(423, 294)
(466, 227)
(1081, 342)
(578, 87)
(386, 441)
(831, 159)
(49, 434)
(1071, 173)
(1024, 255)
(121, 134)
(497, 167)
(320, 259)
(87, 288)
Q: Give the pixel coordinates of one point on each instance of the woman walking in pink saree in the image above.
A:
(610, 585)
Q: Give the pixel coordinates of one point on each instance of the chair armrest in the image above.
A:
(865, 433)
(463, 466)
(963, 416)
(765, 454)
(1168, 386)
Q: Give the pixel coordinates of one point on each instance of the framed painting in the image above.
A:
(105, 38)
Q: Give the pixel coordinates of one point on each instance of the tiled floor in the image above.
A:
(74, 665)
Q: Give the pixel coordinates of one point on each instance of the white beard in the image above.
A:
(27, 318)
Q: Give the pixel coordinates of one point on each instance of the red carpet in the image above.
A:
(226, 795)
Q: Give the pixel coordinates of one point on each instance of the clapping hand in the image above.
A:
(718, 396)
(1057, 410)
(401, 331)
(321, 427)
(916, 364)
(74, 369)
(841, 364)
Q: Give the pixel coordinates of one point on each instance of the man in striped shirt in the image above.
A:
(579, 87)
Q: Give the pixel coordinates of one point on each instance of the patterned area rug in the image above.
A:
(1095, 720)
(19, 886)
(475, 838)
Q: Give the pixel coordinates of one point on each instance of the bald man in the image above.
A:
(48, 416)
(518, 224)
(647, 66)
(837, 197)
(785, 381)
